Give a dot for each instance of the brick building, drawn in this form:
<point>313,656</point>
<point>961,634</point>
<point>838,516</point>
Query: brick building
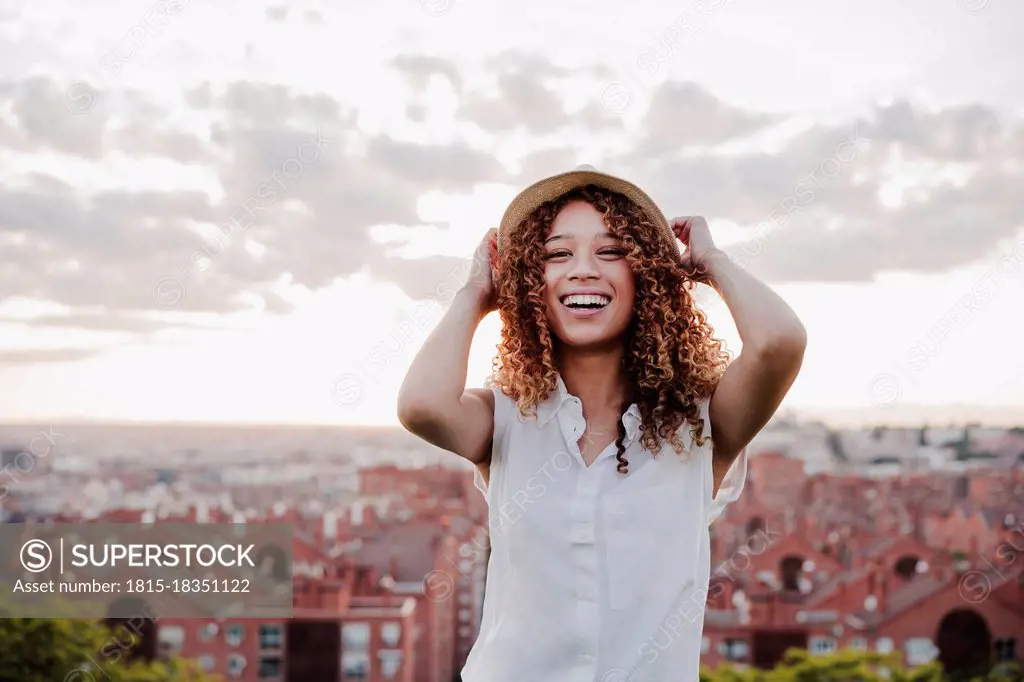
<point>390,586</point>
<point>828,562</point>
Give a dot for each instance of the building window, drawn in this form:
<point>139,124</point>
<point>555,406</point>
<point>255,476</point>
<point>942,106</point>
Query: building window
<point>355,637</point>
<point>236,665</point>
<point>206,663</point>
<point>391,633</point>
<point>1006,649</point>
<point>465,598</point>
<point>791,568</point>
<point>270,667</point>
<point>906,567</point>
<point>207,632</point>
<point>963,486</point>
<point>884,646</point>
<point>390,663</point>
<point>234,634</point>
<point>270,636</point>
<point>705,645</point>
<point>920,650</point>
<point>821,645</point>
<point>355,646</point>
<point>465,565</point>
<point>355,665</point>
<point>464,615</point>
<point>734,649</point>
<point>465,631</point>
<point>170,639</point>
<point>859,644</point>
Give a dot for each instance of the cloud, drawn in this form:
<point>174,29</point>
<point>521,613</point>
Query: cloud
<point>523,93</point>
<point>251,104</point>
<point>525,96</point>
<point>434,278</point>
<point>302,186</point>
<point>744,186</point>
<point>540,164</point>
<point>900,190</point>
<point>683,114</point>
<point>106,321</point>
<point>417,70</point>
<point>278,14</point>
<point>522,101</point>
<point>150,139</point>
<point>961,133</point>
<point>42,120</point>
<point>448,167</point>
<point>38,357</point>
<point>98,251</point>
<point>951,227</point>
<point>303,182</point>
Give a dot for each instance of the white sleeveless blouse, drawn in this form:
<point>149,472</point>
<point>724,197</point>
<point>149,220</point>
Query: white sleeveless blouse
<point>594,576</point>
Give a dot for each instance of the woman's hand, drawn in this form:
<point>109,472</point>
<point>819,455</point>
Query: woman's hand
<point>481,273</point>
<point>700,250</point>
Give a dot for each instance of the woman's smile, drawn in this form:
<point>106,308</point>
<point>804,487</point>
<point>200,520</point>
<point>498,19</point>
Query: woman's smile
<point>584,305</point>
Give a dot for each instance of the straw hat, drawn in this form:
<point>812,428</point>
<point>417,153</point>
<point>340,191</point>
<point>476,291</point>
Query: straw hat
<point>543,191</point>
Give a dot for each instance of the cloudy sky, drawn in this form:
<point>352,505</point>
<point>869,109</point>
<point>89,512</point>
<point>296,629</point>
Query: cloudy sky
<point>230,211</point>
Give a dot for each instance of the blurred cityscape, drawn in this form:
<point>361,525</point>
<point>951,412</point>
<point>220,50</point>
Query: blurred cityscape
<point>883,539</point>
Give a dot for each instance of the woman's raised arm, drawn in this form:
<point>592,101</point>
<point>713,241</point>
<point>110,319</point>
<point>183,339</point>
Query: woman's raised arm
<point>433,402</point>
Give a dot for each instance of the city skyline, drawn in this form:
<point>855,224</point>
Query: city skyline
<point>243,214</point>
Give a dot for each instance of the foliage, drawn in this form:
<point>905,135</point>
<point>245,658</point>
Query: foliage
<point>852,666</point>
<point>1003,672</point>
<point>56,650</point>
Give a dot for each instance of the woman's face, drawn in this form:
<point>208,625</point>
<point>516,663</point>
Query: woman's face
<point>590,287</point>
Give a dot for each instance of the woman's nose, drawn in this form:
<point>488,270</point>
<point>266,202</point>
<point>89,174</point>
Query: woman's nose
<point>583,267</point>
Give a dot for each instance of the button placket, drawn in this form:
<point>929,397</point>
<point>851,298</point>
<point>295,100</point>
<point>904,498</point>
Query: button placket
<point>627,561</point>
<point>572,425</point>
<point>583,546</point>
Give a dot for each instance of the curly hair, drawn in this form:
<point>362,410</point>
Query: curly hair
<point>672,359</point>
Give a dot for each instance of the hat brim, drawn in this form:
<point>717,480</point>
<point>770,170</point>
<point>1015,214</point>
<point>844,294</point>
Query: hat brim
<point>551,188</point>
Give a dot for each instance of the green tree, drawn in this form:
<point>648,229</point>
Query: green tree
<point>797,665</point>
<point>65,650</point>
<point>1009,671</point>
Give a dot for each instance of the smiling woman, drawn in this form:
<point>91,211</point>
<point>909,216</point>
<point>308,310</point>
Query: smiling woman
<point>594,246</point>
<point>604,358</point>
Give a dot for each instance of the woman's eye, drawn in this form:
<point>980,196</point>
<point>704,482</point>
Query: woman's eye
<point>556,254</point>
<point>613,252</point>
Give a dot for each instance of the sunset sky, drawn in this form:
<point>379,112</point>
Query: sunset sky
<point>228,211</point>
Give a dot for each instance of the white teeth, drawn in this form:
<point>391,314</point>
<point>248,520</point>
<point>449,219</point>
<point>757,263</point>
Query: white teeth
<point>586,300</point>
